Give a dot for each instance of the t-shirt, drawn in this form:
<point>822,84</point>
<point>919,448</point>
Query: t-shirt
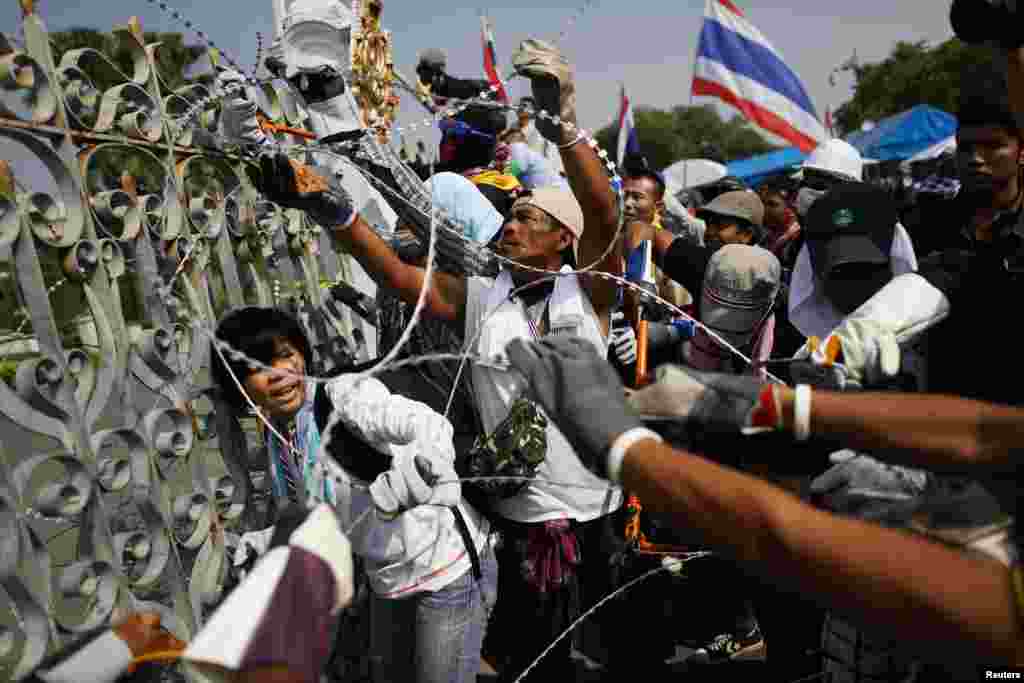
<point>983,282</point>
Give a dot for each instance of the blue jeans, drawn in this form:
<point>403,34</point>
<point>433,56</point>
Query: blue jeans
<point>434,637</point>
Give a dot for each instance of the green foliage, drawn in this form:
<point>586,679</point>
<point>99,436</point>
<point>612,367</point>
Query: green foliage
<point>8,369</point>
<point>912,74</point>
<point>666,136</point>
<point>174,58</point>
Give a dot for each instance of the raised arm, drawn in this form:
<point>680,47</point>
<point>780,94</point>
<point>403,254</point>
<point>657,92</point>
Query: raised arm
<point>555,92</point>
<point>326,202</point>
<point>995,21</point>
<point>446,298</point>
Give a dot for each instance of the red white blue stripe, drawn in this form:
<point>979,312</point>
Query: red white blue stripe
<point>491,59</point>
<point>737,64</point>
<point>628,141</point>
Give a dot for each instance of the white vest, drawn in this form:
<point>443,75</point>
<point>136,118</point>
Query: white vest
<point>498,320</point>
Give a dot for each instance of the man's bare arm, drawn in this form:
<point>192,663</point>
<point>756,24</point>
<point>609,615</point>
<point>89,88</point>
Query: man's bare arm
<point>916,590</point>
<point>446,298</point>
<point>593,191</point>
<point>939,433</point>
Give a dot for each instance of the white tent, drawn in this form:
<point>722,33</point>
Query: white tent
<point>691,173</point>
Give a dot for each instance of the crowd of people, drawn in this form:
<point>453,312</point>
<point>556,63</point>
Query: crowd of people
<point>829,406</point>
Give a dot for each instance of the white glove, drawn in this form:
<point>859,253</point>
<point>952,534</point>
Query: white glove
<point>238,113</point>
<point>870,337</point>
<point>415,480</point>
<point>623,339</point>
<point>418,438</point>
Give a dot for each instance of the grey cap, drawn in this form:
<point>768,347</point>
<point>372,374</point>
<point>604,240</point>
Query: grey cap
<point>740,286</point>
<point>742,204</point>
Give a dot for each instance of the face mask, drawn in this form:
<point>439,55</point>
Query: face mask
<point>333,116</point>
<point>805,198</point>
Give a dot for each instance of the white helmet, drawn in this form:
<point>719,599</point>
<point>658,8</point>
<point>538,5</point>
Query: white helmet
<point>837,157</point>
<point>316,33</point>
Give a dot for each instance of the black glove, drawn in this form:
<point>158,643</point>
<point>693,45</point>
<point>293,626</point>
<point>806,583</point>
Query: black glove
<point>981,21</point>
<point>431,67</point>
<point>321,195</point>
<point>580,392</point>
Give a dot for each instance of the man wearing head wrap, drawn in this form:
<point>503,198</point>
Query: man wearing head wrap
<point>853,245</point>
<point>551,229</point>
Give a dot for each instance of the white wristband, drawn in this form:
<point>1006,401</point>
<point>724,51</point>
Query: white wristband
<point>802,413</point>
<point>621,446</point>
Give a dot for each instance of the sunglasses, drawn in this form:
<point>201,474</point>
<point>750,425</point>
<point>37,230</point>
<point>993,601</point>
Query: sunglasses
<point>460,130</point>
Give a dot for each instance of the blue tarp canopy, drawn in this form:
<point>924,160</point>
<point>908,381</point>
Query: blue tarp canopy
<point>904,135</point>
<point>755,169</point>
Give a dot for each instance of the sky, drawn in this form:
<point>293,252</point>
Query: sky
<point>647,44</point>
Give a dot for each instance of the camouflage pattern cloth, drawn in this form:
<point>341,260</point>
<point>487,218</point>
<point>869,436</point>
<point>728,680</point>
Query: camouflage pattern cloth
<point>516,448</point>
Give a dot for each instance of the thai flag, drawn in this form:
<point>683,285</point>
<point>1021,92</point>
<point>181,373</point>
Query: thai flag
<point>491,59</point>
<point>628,142</point>
<point>737,65</point>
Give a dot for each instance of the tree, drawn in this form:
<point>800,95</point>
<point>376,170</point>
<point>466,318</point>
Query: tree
<point>666,136</point>
<point>912,74</point>
<point>174,58</point>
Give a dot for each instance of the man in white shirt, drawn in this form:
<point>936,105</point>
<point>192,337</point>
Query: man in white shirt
<point>552,229</point>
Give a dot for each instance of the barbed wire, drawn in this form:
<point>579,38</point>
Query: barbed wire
<point>390,361</point>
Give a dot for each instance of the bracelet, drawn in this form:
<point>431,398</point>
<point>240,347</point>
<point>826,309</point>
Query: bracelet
<point>802,413</point>
<point>621,446</point>
<point>579,138</point>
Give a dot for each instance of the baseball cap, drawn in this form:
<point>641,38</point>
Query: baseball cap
<point>740,286</point>
<point>851,223</point>
<point>742,204</point>
<point>561,205</point>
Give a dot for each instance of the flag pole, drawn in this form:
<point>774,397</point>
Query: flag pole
<point>693,77</point>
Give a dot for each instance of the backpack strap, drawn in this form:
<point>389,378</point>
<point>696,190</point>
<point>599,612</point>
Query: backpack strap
<point>467,540</point>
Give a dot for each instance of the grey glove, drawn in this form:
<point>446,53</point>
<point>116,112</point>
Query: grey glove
<point>982,21</point>
<point>553,87</point>
<point>319,193</point>
<point>858,483</point>
<point>717,401</point>
<point>580,392</point>
<point>238,111</point>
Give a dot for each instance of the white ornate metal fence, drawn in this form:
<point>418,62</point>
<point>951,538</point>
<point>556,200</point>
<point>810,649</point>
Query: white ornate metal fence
<point>120,482</point>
